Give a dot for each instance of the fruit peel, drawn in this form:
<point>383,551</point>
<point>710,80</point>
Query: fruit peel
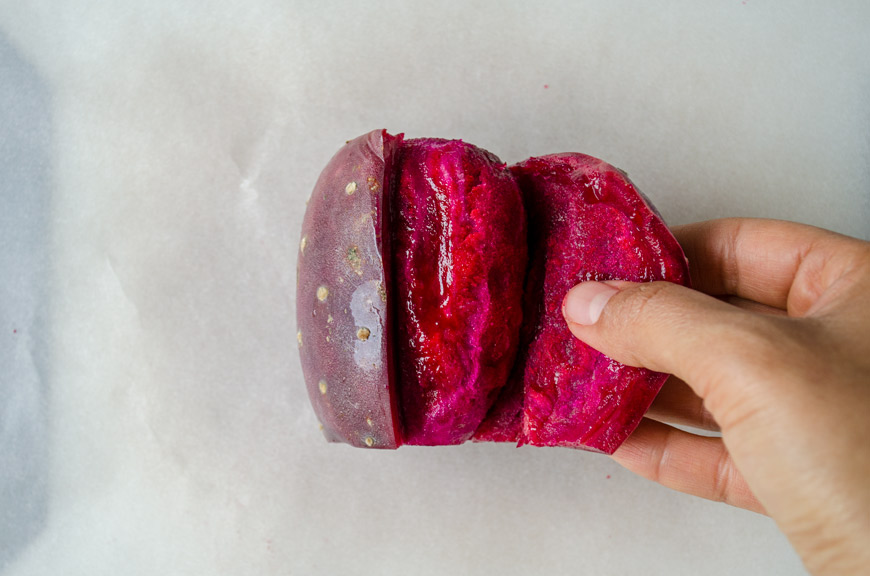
<point>343,318</point>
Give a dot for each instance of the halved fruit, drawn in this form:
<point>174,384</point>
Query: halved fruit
<point>344,322</point>
<point>587,221</point>
<point>459,258</point>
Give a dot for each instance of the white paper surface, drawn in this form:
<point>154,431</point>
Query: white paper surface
<point>155,162</point>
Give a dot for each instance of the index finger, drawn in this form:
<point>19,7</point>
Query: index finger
<point>756,259</point>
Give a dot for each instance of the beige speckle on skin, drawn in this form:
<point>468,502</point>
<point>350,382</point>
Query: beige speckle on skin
<point>303,244</point>
<point>322,293</point>
<point>369,441</point>
<point>369,421</point>
<point>350,188</point>
<point>373,183</point>
<point>329,319</point>
<point>327,338</point>
<point>322,386</point>
<point>299,338</point>
<point>340,280</point>
<point>382,292</point>
<point>363,333</point>
<point>353,258</point>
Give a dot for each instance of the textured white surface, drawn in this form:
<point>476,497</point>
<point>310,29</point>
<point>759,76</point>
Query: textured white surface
<point>154,418</point>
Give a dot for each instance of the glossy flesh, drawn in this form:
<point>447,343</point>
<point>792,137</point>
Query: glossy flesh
<point>586,222</point>
<point>459,256</point>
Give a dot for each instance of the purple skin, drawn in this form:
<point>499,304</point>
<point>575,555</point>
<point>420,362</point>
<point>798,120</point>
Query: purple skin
<point>345,336</point>
<point>459,256</point>
<point>586,222</point>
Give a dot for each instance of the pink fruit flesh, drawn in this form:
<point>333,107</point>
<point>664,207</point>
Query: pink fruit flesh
<point>459,256</point>
<point>586,222</point>
<point>341,296</point>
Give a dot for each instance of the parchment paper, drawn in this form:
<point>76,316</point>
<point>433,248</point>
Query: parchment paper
<point>154,162</point>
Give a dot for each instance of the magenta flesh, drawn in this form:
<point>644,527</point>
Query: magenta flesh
<point>586,222</point>
<point>344,325</point>
<point>459,256</point>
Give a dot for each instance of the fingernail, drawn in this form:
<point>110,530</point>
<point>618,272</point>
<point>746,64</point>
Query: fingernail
<point>585,301</point>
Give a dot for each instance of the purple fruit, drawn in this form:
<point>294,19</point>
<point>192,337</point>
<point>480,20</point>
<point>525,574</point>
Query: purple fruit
<point>411,295</point>
<point>345,335</point>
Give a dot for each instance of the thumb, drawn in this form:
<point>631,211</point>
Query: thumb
<point>665,327</point>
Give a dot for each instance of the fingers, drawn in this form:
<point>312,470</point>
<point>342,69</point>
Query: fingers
<point>758,260</point>
<point>753,306</point>
<point>692,464</point>
<point>676,403</point>
<point>667,328</point>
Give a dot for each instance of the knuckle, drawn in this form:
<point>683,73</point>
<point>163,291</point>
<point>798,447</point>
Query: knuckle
<point>724,478</point>
<point>645,301</point>
<point>634,323</point>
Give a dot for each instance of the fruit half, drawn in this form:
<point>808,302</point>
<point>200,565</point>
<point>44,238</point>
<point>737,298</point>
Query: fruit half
<point>430,284</point>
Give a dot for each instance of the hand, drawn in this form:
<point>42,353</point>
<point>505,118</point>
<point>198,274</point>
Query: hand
<point>779,360</point>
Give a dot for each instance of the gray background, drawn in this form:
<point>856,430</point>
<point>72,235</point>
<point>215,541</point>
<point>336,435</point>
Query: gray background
<point>154,162</point>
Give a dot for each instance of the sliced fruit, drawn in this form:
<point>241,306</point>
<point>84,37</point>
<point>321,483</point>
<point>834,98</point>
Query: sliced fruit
<point>343,319</point>
<point>459,258</point>
<point>587,221</point>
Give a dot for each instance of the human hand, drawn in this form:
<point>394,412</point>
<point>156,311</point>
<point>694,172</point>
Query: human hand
<point>781,366</point>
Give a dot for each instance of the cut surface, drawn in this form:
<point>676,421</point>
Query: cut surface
<point>343,322</point>
<point>459,256</point>
<point>586,222</point>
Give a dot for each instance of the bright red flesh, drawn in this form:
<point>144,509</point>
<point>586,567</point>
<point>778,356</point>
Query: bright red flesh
<point>586,222</point>
<point>459,256</point>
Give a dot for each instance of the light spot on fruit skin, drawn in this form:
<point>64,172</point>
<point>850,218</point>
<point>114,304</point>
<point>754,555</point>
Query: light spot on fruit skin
<point>299,338</point>
<point>322,293</point>
<point>329,319</point>
<point>369,421</point>
<point>363,333</point>
<point>382,292</point>
<point>353,258</point>
<point>369,441</point>
<point>322,386</point>
<point>303,244</point>
<point>373,183</point>
<point>350,188</point>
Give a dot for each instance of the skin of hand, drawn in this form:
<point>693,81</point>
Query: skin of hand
<point>772,347</point>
